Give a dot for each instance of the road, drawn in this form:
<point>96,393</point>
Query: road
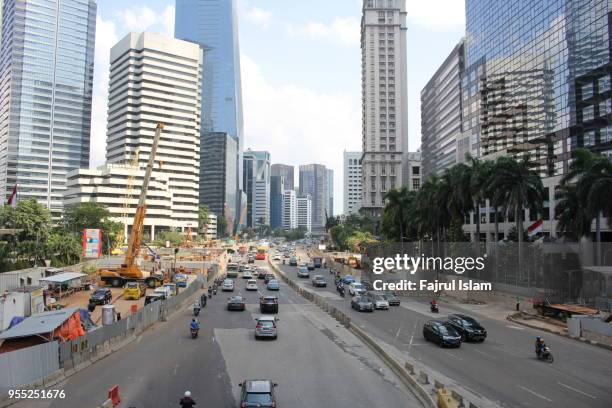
<point>503,369</point>
<point>316,362</point>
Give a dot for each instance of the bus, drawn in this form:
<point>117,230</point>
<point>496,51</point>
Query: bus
<point>261,253</point>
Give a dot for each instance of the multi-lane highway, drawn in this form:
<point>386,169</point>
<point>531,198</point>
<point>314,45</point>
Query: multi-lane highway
<point>503,369</point>
<point>316,362</point>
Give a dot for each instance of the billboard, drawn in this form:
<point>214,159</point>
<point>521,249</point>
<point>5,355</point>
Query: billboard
<point>92,243</point>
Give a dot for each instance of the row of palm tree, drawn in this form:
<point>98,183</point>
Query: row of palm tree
<point>511,185</point>
<point>438,210</point>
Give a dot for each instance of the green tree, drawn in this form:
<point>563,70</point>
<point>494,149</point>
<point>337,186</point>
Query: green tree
<point>574,219</point>
<point>398,211</point>
<point>175,238</point>
<point>480,172</point>
<point>94,215</point>
<point>519,186</point>
<point>203,213</point>
<point>63,248</point>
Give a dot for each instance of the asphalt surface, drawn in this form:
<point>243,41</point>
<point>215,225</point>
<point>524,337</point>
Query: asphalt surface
<point>316,362</point>
<point>502,369</point>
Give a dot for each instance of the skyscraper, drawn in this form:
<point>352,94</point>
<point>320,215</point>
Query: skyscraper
<point>46,78</point>
<point>214,25</point>
<point>153,78</point>
<point>352,182</point>
<point>257,187</point>
<point>330,193</point>
<point>277,187</point>
<point>441,115</point>
<point>537,79</point>
<point>304,212</point>
<point>313,182</point>
<point>287,172</point>
<point>289,211</point>
<point>384,99</point>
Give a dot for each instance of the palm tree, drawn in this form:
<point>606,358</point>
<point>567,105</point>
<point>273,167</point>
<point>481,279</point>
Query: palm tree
<point>480,173</point>
<point>519,186</point>
<point>431,213</point>
<point>573,218</point>
<point>399,212</point>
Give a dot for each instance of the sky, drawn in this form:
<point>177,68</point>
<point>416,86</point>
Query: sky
<point>301,71</point>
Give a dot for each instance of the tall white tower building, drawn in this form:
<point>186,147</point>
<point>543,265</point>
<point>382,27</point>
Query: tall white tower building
<point>384,99</point>
<point>153,78</point>
<point>304,212</point>
<point>289,210</point>
<point>352,182</point>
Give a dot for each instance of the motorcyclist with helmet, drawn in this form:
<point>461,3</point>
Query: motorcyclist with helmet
<point>187,401</point>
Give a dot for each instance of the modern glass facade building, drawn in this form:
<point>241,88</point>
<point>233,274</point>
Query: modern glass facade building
<point>214,25</point>
<point>257,187</point>
<point>46,79</point>
<point>277,187</point>
<point>313,182</point>
<point>537,79</point>
<point>285,171</point>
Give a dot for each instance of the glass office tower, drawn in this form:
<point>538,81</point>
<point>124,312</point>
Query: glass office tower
<point>537,79</point>
<point>46,78</point>
<point>214,25</point>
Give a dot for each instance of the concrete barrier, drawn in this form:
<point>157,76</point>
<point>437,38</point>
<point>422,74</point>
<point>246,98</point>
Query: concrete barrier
<point>457,397</point>
<point>423,378</point>
<point>438,385</point>
<point>409,367</point>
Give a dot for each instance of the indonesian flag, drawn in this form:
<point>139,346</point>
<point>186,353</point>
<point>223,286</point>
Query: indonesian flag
<point>12,201</point>
<point>535,228</point>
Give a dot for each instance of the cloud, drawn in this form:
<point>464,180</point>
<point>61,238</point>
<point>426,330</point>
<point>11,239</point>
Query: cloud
<point>167,20</point>
<point>299,125</point>
<point>258,16</point>
<point>342,30</point>
<point>106,37</point>
<point>440,15</point>
<point>141,18</point>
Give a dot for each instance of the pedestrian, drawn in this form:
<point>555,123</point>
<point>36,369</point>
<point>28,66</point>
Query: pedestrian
<point>518,304</point>
<point>118,316</point>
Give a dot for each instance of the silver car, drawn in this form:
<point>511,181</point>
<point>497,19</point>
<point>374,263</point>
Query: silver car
<point>266,327</point>
<point>227,286</point>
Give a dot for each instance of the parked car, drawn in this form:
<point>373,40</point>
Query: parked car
<point>268,304</point>
<point>319,281</point>
<point>257,393</point>
<point>236,303</point>
<point>392,299</point>
<point>134,290</point>
<point>181,280</point>
<point>251,284</point>
<point>468,328</point>
<point>227,286</point>
<point>268,277</point>
<point>303,272</point>
<point>380,302</point>
<point>293,261</point>
<point>356,288</point>
<point>362,304</point>
<point>442,333</point>
<point>266,327</point>
<point>101,296</point>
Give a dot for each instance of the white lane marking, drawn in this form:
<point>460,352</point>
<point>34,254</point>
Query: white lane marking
<point>485,354</point>
<point>535,393</point>
<point>576,390</point>
<point>213,339</point>
<point>510,326</point>
<point>454,356</point>
<point>176,369</point>
<point>398,333</point>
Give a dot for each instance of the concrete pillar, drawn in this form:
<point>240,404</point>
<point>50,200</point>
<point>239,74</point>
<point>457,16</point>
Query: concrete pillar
<point>125,233</point>
<point>152,232</point>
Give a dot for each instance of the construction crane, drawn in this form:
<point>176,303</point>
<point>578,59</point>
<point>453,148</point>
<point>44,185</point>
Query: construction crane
<point>129,270</point>
<point>129,188</point>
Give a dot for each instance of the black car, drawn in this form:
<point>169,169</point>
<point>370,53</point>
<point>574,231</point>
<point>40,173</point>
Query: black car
<point>236,303</point>
<point>268,304</point>
<point>391,298</point>
<point>101,296</point>
<point>442,333</point>
<point>362,304</point>
<point>262,274</point>
<point>468,328</point>
<point>319,281</point>
<point>257,393</point>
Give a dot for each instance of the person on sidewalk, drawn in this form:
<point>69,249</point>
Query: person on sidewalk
<point>518,304</point>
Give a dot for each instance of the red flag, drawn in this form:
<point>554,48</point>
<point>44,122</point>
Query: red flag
<point>12,201</point>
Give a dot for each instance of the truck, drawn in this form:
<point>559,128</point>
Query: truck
<point>129,269</point>
<point>547,306</point>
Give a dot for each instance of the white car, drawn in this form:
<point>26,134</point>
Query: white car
<point>251,284</point>
<point>380,302</point>
<point>276,258</point>
<point>227,286</point>
<point>247,275</point>
<point>356,288</point>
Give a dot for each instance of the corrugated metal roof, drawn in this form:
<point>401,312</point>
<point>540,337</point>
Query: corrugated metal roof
<point>63,277</point>
<point>40,323</point>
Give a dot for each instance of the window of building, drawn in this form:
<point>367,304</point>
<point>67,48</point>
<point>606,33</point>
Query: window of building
<point>416,170</point>
<point>588,113</point>
<point>604,83</point>
<point>416,184</point>
<point>587,91</point>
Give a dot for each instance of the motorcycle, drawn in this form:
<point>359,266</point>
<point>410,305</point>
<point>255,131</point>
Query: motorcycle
<point>196,311</point>
<point>434,308</point>
<point>545,354</point>
<point>194,333</point>
<point>214,291</point>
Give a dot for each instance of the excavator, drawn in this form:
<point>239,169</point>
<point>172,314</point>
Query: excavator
<point>129,269</point>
